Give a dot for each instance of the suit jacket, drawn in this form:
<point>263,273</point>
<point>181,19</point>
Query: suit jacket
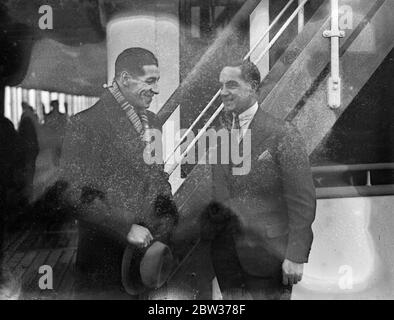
<point>274,204</point>
<point>109,187</point>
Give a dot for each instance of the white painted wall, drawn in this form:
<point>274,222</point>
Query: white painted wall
<point>352,253</point>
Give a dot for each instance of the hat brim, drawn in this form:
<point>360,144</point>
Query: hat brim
<point>136,263</point>
<point>131,278</point>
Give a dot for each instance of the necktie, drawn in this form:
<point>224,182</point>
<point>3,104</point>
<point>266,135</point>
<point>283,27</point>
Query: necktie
<point>236,125</point>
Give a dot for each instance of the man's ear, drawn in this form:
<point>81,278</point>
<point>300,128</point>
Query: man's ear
<point>255,85</point>
<point>124,78</point>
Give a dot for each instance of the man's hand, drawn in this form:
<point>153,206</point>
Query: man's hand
<point>139,236</point>
<point>292,272</point>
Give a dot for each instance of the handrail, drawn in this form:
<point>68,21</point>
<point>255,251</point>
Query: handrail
<point>207,63</point>
<point>365,168</point>
<point>287,23</point>
<point>218,92</point>
<point>220,108</point>
<point>352,167</point>
<point>355,191</point>
<point>281,13</point>
<point>193,124</point>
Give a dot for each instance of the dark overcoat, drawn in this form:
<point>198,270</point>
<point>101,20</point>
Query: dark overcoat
<point>109,187</point>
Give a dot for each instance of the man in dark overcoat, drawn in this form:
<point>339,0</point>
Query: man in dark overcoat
<point>117,198</point>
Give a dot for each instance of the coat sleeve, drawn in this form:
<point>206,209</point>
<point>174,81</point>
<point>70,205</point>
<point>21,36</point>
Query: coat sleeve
<point>163,212</point>
<point>85,195</point>
<point>299,194</point>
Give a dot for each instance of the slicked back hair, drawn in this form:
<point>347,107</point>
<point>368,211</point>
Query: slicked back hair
<point>133,60</point>
<point>249,72</point>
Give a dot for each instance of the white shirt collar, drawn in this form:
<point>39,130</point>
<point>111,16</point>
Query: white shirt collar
<point>246,117</point>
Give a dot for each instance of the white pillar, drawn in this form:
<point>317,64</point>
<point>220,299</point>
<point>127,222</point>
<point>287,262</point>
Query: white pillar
<point>54,96</point>
<point>45,98</point>
<point>61,102</point>
<point>18,103</point>
<point>171,137</point>
<point>32,98</point>
<point>301,18</point>
<point>25,95</point>
<point>8,105</point>
<point>39,107</point>
<point>158,32</point>
<point>259,23</point>
<point>14,107</point>
<point>70,105</point>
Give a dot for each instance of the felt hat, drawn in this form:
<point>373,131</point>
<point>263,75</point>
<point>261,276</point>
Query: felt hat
<point>147,268</point>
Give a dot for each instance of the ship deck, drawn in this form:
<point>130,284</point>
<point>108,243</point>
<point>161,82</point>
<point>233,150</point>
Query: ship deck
<point>52,244</point>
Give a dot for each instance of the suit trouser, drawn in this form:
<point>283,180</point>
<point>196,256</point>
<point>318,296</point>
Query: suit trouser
<point>235,283</point>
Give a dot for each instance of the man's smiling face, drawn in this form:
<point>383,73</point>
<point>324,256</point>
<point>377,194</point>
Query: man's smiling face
<point>236,93</point>
<point>140,90</point>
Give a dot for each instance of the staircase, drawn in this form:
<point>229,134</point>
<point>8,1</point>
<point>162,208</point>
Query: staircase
<point>302,72</point>
<point>305,103</point>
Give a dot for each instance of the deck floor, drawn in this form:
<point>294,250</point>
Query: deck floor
<point>54,245</point>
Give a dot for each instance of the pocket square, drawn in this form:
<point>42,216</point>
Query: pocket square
<point>266,155</point>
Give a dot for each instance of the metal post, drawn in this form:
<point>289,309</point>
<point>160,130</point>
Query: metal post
<point>334,82</point>
<point>369,178</point>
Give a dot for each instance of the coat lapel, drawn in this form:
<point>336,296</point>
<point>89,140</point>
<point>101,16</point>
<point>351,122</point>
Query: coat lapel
<point>223,176</point>
<point>258,134</point>
<point>258,128</point>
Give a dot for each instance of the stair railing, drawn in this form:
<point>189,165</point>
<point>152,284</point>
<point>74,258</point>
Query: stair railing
<point>218,92</point>
<point>202,131</point>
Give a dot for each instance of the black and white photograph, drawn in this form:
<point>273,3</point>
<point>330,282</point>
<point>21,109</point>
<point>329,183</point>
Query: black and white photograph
<point>199,150</point>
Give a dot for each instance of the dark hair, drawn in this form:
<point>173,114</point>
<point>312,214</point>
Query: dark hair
<point>25,105</point>
<point>132,60</point>
<point>249,72</point>
<point>54,102</point>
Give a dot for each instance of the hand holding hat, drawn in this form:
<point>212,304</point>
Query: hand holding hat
<point>139,236</point>
<point>146,264</point>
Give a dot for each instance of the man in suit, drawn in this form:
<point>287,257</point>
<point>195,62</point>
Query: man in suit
<point>117,197</point>
<point>262,218</point>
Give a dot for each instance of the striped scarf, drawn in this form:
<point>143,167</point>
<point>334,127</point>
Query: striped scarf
<point>139,120</point>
